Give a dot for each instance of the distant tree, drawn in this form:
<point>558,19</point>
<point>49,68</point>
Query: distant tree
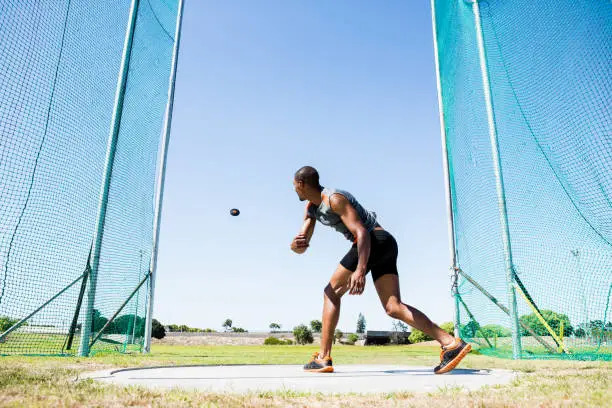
<point>158,330</point>
<point>338,335</point>
<point>400,327</point>
<point>448,327</point>
<point>98,320</point>
<point>553,319</point>
<point>417,336</point>
<point>302,334</point>
<point>608,332</point>
<point>274,327</point>
<point>579,332</point>
<point>352,338</point>
<point>6,323</point>
<point>595,324</point>
<point>125,325</point>
<point>184,328</point>
<point>493,330</point>
<point>272,341</point>
<point>361,324</point>
<point>238,330</point>
<point>316,326</point>
<point>227,324</point>
<point>596,329</point>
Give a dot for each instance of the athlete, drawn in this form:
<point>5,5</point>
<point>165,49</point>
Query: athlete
<point>373,249</point>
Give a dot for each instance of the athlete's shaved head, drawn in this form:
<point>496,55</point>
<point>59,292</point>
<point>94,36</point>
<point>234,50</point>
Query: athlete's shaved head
<point>309,176</point>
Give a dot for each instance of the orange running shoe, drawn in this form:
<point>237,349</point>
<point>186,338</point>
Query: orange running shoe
<point>452,355</point>
<point>319,365</point>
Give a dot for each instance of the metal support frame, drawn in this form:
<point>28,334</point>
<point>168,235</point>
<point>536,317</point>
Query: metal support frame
<point>108,171</point>
<point>101,331</point>
<point>77,309</point>
<point>135,320</point>
<point>25,319</point>
<point>446,167</point>
<point>473,319</point>
<point>499,183</point>
<point>161,178</point>
<point>506,311</point>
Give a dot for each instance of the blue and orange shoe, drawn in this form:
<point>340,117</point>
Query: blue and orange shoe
<point>319,365</point>
<point>452,355</point>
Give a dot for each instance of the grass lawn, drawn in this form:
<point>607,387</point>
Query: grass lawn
<point>51,381</point>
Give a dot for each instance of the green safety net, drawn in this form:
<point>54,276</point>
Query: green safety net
<point>60,65</point>
<point>550,85</point>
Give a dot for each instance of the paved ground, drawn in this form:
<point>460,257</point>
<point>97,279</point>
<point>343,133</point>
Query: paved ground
<point>346,378</point>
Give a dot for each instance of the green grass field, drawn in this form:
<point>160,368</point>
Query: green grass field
<point>52,381</point>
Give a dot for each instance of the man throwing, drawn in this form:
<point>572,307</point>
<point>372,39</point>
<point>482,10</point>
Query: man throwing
<point>375,250</point>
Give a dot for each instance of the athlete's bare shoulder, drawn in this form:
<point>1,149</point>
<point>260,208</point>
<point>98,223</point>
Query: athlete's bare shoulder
<point>338,202</point>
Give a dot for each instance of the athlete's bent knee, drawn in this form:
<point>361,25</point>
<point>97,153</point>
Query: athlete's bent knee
<point>394,309</point>
<point>331,294</point>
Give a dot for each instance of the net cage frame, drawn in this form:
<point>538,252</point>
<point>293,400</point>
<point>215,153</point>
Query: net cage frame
<point>552,343</point>
<point>87,335</point>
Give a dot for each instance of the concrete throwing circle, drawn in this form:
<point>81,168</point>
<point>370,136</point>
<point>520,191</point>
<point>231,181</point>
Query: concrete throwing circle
<point>362,379</point>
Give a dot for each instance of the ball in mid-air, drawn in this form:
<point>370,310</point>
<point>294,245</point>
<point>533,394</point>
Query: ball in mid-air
<point>235,212</point>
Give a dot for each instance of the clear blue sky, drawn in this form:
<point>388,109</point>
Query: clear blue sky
<point>266,87</point>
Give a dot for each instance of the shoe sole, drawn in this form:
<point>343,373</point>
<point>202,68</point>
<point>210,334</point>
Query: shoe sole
<point>451,366</point>
<point>320,370</point>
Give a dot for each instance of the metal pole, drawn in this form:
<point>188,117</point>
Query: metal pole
<point>499,181</point>
<point>457,296</point>
<point>108,171</point>
<point>77,309</point>
<point>446,167</point>
<point>161,178</point>
<point>135,320</point>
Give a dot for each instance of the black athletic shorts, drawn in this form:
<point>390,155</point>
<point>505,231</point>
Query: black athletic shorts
<point>383,255</point>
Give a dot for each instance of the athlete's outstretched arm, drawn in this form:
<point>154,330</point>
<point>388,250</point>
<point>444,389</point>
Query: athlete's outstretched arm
<point>302,240</point>
<point>341,206</point>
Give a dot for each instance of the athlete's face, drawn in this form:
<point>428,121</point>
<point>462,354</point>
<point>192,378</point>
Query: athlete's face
<point>299,189</point>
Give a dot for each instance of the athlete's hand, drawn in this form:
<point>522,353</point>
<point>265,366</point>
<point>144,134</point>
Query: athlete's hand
<point>357,283</point>
<point>299,244</point>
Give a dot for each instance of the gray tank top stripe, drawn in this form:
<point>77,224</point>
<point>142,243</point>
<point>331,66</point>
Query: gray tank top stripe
<point>326,216</point>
